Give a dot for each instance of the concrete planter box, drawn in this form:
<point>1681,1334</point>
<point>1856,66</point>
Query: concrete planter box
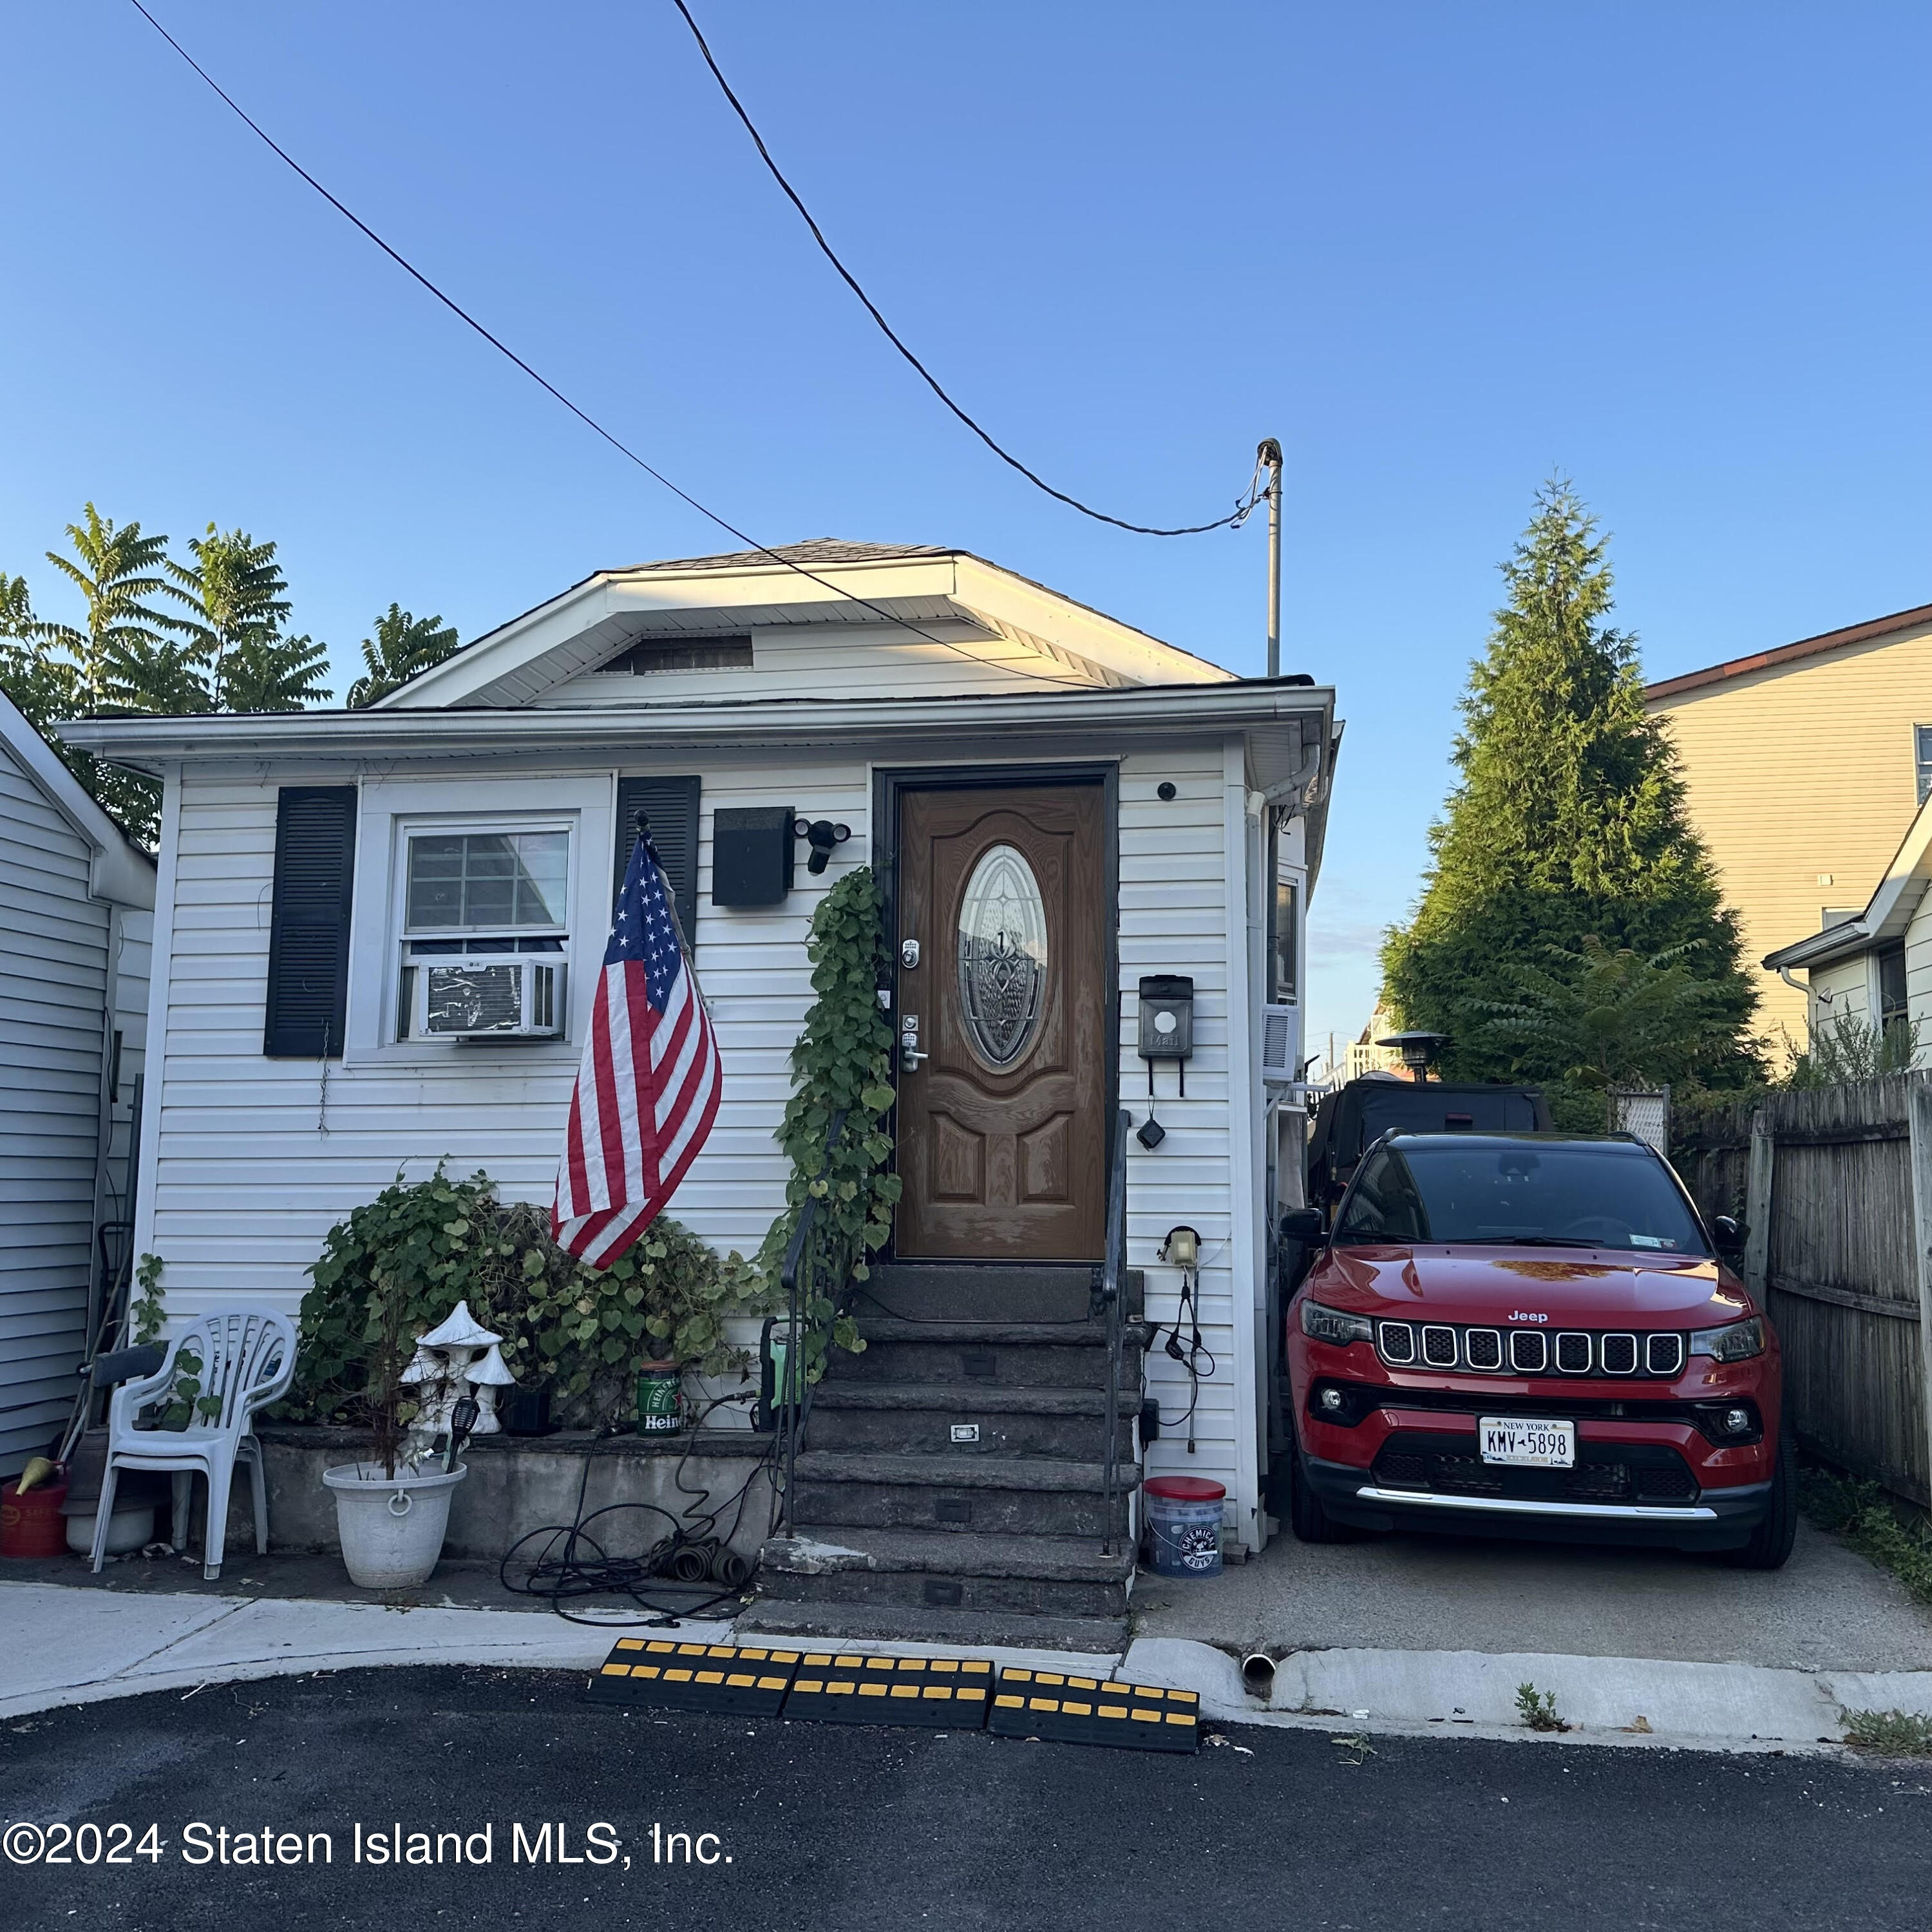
<point>517,1484</point>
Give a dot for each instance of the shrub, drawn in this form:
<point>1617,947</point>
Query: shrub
<point>577,1331</point>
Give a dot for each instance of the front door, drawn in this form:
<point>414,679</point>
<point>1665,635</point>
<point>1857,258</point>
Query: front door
<point>1002,1120</point>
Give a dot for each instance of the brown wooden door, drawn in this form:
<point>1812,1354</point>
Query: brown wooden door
<point>1002,1125</point>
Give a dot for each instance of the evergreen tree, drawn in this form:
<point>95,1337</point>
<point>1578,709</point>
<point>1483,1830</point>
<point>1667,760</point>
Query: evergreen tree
<point>402,646</point>
<point>1566,824</point>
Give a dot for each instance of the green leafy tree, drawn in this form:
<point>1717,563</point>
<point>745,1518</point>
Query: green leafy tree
<point>1603,1017</point>
<point>235,591</point>
<point>1566,822</point>
<point>403,645</point>
<point>130,652</point>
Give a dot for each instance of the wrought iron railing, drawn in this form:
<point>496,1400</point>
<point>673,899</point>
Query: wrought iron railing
<point>793,1398</point>
<point>1113,1295</point>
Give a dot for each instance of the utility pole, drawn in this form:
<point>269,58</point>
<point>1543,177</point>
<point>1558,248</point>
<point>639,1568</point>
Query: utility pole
<point>1269,455</point>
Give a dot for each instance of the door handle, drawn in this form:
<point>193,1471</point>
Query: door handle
<point>909,1058</point>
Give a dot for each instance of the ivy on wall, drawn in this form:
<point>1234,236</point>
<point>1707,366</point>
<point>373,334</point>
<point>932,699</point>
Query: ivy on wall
<point>841,1064</point>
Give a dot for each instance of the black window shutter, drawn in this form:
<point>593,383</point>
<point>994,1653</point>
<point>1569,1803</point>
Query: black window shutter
<point>308,930</point>
<point>671,806</point>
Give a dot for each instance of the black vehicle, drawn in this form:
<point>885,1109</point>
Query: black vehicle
<point>1350,1121</point>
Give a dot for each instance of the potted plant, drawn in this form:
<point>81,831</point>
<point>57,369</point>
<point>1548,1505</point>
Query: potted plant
<point>392,1510</point>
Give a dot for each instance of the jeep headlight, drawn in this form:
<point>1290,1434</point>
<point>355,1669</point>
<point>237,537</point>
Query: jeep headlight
<point>1335,1324</point>
<point>1735,1342</point>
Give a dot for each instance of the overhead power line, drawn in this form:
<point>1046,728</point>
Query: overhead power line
<point>543,382</point>
<point>1233,518</point>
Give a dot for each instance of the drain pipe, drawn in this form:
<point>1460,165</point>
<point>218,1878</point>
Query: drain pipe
<point>1257,1676</point>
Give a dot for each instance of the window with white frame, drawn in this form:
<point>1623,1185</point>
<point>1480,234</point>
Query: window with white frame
<point>1921,748</point>
<point>485,923</point>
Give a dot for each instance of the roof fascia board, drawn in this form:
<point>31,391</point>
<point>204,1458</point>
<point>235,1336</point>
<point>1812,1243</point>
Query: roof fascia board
<point>1875,631</point>
<point>1030,607</point>
<point>120,872</point>
<point>144,743</point>
<point>567,616</point>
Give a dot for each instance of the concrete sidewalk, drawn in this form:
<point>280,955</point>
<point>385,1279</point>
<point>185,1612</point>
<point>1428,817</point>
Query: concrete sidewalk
<point>1827,1609</point>
<point>73,1645</point>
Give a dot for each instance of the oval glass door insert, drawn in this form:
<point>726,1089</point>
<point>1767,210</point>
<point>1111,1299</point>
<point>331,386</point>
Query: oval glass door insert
<point>1002,955</point>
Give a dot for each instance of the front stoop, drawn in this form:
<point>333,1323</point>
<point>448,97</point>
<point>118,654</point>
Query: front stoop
<point>951,1485</point>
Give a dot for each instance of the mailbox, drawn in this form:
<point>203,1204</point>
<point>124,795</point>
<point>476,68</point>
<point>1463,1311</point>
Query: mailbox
<point>1167,1016</point>
<point>751,855</point>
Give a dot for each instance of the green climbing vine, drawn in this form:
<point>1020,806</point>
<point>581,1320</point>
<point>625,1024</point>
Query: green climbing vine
<point>841,1064</point>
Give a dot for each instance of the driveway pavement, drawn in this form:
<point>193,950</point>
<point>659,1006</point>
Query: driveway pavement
<point>1827,1609</point>
<point>845,1829</point>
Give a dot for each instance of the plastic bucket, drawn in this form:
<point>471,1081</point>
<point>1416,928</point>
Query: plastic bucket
<point>31,1525</point>
<point>1184,1524</point>
<point>660,1399</point>
<point>391,1527</point>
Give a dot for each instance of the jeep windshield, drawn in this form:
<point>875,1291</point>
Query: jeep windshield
<point>1496,1192</point>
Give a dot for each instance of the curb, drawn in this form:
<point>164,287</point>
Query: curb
<point>1604,1700</point>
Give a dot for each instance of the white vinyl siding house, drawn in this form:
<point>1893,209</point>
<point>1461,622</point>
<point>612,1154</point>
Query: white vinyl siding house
<point>248,1160</point>
<point>73,966</point>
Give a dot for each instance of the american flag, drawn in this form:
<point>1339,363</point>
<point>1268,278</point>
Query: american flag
<point>647,1091</point>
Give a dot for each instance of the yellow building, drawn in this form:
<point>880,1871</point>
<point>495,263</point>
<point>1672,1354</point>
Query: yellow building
<point>1804,766</point>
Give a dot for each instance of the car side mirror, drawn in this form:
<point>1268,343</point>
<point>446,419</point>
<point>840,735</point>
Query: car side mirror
<point>1304,1224</point>
<point>1728,1234</point>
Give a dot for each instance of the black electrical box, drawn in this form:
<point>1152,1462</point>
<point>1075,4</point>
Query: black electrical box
<point>1167,1016</point>
<point>751,855</point>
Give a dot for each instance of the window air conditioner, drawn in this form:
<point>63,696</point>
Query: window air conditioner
<point>492,997</point>
<point>1281,1041</point>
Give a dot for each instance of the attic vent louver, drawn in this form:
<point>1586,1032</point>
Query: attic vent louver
<point>659,654</point>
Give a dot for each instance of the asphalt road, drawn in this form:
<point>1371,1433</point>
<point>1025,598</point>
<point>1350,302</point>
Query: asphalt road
<point>837,1829</point>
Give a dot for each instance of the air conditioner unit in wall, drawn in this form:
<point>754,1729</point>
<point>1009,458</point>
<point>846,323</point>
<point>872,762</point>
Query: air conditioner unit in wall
<point>490,997</point>
<point>1281,1045</point>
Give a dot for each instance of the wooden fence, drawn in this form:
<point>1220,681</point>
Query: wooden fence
<point>1834,1186</point>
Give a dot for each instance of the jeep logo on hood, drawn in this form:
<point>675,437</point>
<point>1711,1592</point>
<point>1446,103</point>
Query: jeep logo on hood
<point>1517,1314</point>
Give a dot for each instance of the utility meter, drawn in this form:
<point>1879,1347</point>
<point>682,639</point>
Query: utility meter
<point>1167,1016</point>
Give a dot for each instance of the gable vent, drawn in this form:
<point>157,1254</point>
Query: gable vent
<point>681,654</point>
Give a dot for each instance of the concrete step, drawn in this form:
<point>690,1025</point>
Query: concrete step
<point>912,1419</point>
<point>1096,1637</point>
<point>1023,1354</point>
<point>978,1291</point>
<point>1008,1496</point>
<point>1038,1576</point>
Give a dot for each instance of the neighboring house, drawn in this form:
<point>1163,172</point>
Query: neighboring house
<point>1803,766</point>
<point>1365,1056</point>
<point>1874,966</point>
<point>1166,818</point>
<point>78,899</point>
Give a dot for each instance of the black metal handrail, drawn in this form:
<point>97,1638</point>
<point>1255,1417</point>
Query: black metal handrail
<point>794,1396</point>
<point>1113,1295</point>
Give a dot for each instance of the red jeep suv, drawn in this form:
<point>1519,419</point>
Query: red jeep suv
<point>1533,1334</point>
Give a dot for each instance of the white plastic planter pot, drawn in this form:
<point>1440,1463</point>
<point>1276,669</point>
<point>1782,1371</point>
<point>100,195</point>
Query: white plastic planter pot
<point>391,1527</point>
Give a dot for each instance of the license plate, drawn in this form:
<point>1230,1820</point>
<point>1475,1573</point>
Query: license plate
<point>1527,1444</point>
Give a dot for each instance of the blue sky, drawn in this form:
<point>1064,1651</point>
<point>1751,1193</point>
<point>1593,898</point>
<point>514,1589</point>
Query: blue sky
<point>1678,252</point>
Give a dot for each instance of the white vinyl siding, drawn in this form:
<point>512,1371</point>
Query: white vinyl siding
<point>54,946</point>
<point>836,660</point>
<point>257,1159</point>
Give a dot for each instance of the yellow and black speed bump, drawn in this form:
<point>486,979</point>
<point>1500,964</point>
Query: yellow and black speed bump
<point>1050,1705</point>
<point>724,1677</point>
<point>942,1694</point>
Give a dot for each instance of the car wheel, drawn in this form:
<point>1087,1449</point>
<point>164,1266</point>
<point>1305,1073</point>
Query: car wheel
<point>1771,1542</point>
<point>1310,1522</point>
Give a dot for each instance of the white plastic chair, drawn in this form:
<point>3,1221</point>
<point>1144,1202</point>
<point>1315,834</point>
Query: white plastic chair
<point>248,1359</point>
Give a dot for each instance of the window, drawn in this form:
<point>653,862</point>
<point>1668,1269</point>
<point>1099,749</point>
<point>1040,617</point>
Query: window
<point>1285,948</point>
<point>1921,747</point>
<point>1891,998</point>
<point>472,893</point>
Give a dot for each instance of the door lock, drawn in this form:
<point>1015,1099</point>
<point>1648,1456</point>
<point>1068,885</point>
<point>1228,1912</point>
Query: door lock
<point>908,952</point>
<point>909,1055</point>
